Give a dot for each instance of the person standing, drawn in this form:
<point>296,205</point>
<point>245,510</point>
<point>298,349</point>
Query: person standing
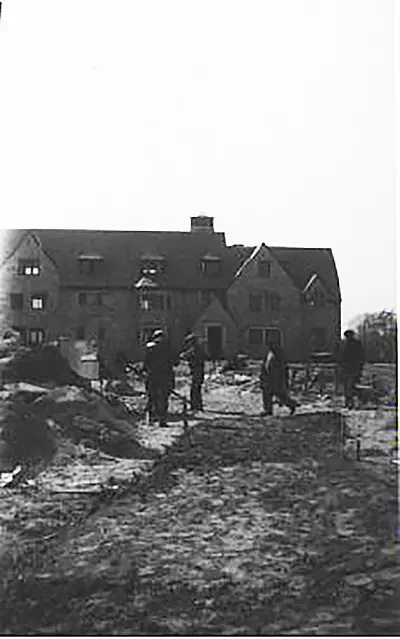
<point>158,365</point>
<point>352,360</point>
<point>196,356</point>
<point>273,379</point>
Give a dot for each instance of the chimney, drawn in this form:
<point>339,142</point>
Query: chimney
<point>202,224</point>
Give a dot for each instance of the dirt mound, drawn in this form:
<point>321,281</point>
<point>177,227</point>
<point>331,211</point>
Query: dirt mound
<point>24,436</point>
<point>31,432</point>
<point>83,416</point>
<point>44,364</point>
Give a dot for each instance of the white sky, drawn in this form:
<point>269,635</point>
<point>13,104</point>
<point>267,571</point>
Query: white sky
<point>275,116</point>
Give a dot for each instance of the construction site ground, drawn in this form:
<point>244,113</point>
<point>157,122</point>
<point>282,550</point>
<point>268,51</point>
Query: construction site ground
<point>239,524</point>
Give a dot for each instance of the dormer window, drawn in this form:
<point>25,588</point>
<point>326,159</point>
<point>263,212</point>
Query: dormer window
<point>152,265</point>
<point>88,264</point>
<point>210,265</point>
<point>28,267</point>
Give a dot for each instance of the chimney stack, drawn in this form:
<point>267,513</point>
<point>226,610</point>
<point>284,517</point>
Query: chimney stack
<point>202,224</point>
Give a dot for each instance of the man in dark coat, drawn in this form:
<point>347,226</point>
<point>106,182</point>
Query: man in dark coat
<point>194,353</point>
<point>158,365</point>
<point>352,361</point>
<point>273,379</point>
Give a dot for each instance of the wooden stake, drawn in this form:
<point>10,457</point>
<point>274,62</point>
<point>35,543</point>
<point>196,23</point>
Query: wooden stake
<point>342,435</point>
<point>358,446</point>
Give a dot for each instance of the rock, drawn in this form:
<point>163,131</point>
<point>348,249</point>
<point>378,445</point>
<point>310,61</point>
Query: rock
<point>358,580</point>
<point>387,574</point>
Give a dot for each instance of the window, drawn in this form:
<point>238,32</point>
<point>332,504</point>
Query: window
<point>80,332</point>
<point>22,331</point>
<point>16,301</point>
<point>274,302</point>
<point>28,267</point>
<point>255,302</point>
<point>272,335</point>
<point>87,267</point>
<point>255,336</point>
<point>38,302</point>
<point>264,268</point>
<point>144,335</point>
<point>152,301</point>
<point>152,267</point>
<point>90,299</point>
<point>101,333</point>
<point>211,267</point>
<point>36,336</point>
<point>82,299</point>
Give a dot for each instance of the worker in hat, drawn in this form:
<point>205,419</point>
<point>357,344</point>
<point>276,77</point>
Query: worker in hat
<point>194,353</point>
<point>158,365</point>
<point>273,379</point>
<point>352,360</point>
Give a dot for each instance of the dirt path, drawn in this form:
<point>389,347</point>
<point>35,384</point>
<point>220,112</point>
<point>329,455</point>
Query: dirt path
<point>253,527</point>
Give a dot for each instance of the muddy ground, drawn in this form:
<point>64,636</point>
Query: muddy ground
<point>240,525</point>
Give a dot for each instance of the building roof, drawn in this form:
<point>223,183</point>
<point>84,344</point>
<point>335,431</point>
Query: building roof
<point>302,263</point>
<point>299,263</point>
<point>123,251</point>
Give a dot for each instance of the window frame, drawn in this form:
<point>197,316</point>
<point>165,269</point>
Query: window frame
<point>28,263</point>
<point>86,267</point>
<point>207,266</point>
<point>31,331</point>
<point>38,296</point>
<point>274,300</point>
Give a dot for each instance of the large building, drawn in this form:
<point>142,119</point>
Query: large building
<point>117,286</point>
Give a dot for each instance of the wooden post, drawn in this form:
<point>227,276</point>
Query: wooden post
<point>185,419</point>
<point>342,435</point>
<point>358,444</point>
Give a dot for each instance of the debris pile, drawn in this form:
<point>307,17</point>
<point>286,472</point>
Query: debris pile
<point>85,417</point>
<point>38,423</point>
<point>40,365</point>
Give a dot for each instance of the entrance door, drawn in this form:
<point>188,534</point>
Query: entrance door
<point>214,342</point>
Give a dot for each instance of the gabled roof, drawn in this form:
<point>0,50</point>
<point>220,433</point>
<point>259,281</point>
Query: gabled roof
<point>123,253</point>
<point>10,240</point>
<point>299,263</point>
<point>247,261</point>
<point>215,303</point>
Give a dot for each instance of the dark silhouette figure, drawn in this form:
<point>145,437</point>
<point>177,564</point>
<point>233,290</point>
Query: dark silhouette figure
<point>273,379</point>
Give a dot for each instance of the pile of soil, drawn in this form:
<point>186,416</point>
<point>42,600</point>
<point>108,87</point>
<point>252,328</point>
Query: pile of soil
<point>24,437</point>
<point>40,365</point>
<point>33,431</point>
<point>85,417</point>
